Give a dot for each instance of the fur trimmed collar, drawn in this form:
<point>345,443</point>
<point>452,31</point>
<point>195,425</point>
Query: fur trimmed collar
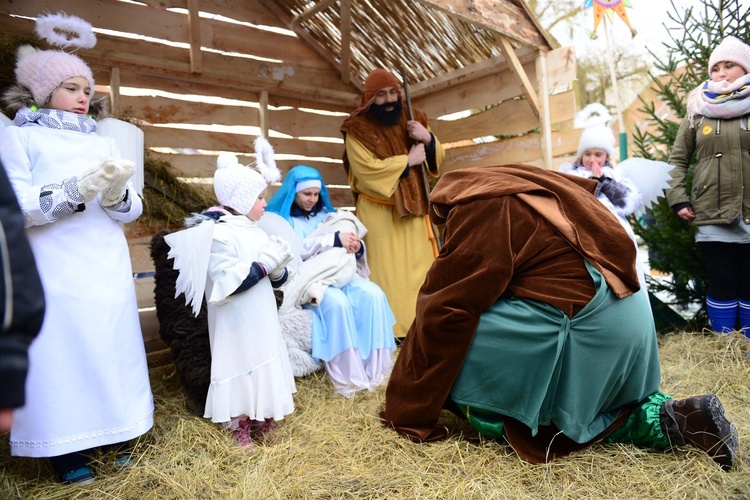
<point>18,97</point>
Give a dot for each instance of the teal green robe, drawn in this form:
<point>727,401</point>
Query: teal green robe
<point>584,370</point>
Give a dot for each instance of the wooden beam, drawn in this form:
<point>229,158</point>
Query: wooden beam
<point>515,150</point>
<point>346,39</point>
<point>495,120</point>
<point>205,166</point>
<point>284,16</point>
<point>311,11</point>
<point>263,113</point>
<point>504,17</point>
<point>545,124</point>
<point>114,91</point>
<point>132,79</point>
<point>166,137</point>
<point>470,73</point>
<point>486,91</point>
<point>194,27</point>
<point>517,68</point>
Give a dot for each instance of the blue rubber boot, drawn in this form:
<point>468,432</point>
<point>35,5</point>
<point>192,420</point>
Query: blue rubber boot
<point>722,314</point>
<point>745,318</point>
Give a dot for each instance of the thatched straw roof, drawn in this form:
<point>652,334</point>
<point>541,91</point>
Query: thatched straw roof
<point>427,38</point>
<point>332,447</point>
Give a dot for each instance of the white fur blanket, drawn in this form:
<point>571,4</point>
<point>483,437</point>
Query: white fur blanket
<point>331,267</point>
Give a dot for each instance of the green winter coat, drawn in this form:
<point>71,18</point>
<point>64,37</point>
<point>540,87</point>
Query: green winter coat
<point>722,153</point>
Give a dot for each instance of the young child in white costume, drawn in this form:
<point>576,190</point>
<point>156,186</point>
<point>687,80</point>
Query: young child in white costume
<point>594,161</point>
<point>88,384</point>
<point>239,265</point>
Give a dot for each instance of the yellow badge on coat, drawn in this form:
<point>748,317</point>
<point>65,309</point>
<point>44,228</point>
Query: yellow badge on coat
<point>707,130</point>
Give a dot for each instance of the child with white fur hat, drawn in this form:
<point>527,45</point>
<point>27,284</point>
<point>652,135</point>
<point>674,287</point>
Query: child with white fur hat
<point>238,265</point>
<point>594,161</point>
<point>88,384</point>
<point>715,133</point>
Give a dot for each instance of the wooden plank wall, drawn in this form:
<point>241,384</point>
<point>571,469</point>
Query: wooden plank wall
<point>307,101</point>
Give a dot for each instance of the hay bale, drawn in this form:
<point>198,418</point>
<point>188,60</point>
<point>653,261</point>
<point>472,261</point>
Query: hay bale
<point>166,199</point>
<point>336,447</point>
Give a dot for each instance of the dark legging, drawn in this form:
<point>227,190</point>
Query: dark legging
<point>72,461</point>
<point>728,266</point>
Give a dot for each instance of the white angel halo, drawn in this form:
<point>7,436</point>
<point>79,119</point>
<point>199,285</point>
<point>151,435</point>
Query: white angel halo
<point>264,160</point>
<point>57,28</point>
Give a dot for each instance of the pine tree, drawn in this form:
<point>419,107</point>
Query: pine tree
<point>693,35</point>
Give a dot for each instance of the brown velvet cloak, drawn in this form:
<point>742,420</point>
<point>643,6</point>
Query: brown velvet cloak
<point>512,229</point>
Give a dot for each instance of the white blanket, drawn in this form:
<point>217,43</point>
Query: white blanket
<point>331,267</point>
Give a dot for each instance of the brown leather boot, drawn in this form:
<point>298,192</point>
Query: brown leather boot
<point>700,421</point>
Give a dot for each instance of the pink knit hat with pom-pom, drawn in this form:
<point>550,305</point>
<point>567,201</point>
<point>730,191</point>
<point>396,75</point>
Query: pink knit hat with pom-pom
<point>42,71</point>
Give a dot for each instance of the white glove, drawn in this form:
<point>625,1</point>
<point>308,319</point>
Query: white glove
<point>116,190</point>
<point>97,178</point>
<point>275,255</point>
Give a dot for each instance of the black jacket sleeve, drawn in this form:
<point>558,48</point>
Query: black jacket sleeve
<point>21,298</point>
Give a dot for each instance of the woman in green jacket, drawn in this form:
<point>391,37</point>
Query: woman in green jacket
<point>715,132</point>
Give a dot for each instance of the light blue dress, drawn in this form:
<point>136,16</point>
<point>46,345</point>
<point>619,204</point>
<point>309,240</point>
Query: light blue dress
<point>352,329</point>
<point>356,316</point>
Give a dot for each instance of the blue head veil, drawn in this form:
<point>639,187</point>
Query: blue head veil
<point>281,202</point>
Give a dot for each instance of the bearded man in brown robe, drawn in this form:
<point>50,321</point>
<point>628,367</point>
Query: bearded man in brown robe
<point>385,151</point>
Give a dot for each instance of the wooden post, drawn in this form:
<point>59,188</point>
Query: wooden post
<point>517,68</point>
<point>114,91</point>
<point>623,136</point>
<point>194,25</point>
<point>545,127</point>
<point>263,113</point>
<point>346,28</point>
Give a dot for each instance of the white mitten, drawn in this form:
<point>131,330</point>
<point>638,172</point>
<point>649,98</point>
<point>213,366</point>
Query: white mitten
<point>96,179</point>
<point>275,255</point>
<point>116,190</point>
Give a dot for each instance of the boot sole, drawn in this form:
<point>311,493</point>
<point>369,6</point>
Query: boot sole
<point>725,454</point>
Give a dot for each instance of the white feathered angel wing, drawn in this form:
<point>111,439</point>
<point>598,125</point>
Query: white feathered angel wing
<point>190,249</point>
<point>649,176</point>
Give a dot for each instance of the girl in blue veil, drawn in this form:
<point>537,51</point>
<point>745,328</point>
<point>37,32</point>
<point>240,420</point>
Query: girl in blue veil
<point>353,325</point>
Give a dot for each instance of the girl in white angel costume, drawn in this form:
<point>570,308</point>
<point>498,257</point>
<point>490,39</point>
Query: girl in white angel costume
<point>88,384</point>
<point>594,161</point>
<point>237,265</point>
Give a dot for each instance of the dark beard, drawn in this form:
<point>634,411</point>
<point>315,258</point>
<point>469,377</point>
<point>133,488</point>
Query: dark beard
<point>379,112</point>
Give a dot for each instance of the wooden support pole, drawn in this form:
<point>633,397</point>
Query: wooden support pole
<point>515,66</point>
<point>346,28</point>
<point>194,25</point>
<point>545,127</point>
<point>263,113</point>
<point>114,91</point>
<point>311,11</point>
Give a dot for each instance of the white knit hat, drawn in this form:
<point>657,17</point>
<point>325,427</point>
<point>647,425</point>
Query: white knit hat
<point>237,186</point>
<point>733,50</point>
<point>594,118</point>
<point>598,136</point>
<point>42,71</point>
